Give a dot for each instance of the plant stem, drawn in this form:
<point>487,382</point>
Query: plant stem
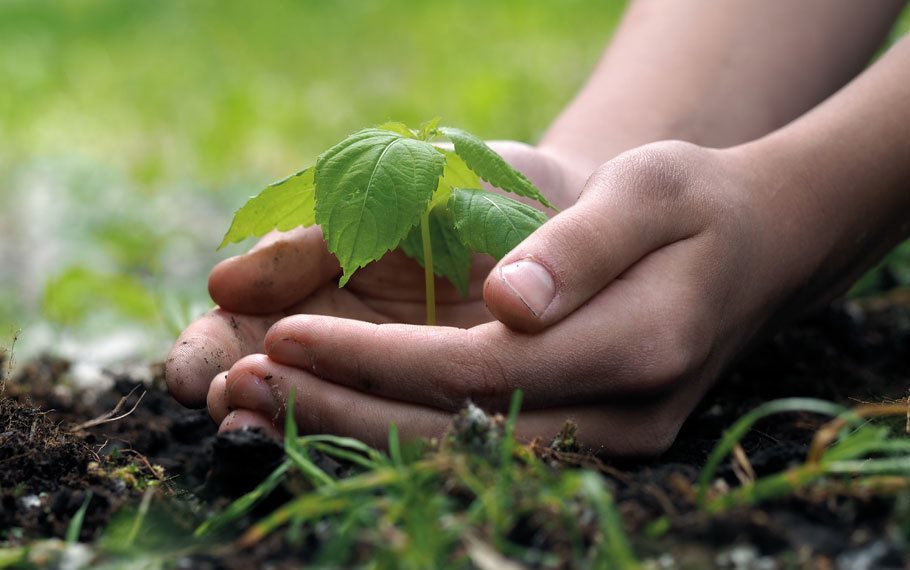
<point>429,276</point>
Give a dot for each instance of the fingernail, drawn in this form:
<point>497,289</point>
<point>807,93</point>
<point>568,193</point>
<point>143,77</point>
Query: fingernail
<point>531,282</point>
<point>286,351</point>
<point>251,392</point>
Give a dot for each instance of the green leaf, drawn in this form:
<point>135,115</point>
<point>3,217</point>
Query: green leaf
<point>491,167</point>
<point>490,223</point>
<point>456,174</point>
<point>283,205</point>
<point>372,188</point>
<point>428,129</point>
<point>451,259</point>
<point>397,127</point>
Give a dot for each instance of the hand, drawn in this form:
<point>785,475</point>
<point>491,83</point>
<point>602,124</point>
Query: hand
<point>620,312</point>
<point>291,273</point>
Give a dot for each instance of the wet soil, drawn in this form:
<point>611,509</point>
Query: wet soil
<point>849,353</point>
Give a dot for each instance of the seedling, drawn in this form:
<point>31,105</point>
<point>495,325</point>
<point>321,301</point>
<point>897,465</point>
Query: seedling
<point>390,187</point>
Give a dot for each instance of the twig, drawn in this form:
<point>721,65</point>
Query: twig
<point>9,362</point>
<point>742,467</point>
<point>111,416</point>
<point>148,464</point>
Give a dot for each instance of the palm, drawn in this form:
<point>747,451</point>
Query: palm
<point>392,289</point>
<point>292,273</point>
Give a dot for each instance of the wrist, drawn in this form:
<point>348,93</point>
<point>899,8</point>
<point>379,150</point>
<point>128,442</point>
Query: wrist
<point>821,226</point>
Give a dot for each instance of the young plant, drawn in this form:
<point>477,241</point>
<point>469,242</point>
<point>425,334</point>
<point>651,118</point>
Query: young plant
<point>390,187</point>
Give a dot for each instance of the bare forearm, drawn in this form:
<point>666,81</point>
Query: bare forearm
<point>839,177</point>
<point>715,73</point>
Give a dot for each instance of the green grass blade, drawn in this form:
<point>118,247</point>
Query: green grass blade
<point>244,504</point>
<point>395,446</point>
<point>767,488</point>
<point>75,526</point>
<point>140,516</point>
<point>618,550</point>
<point>884,466</point>
<point>344,454</point>
<point>346,442</point>
<point>297,452</point>
<point>508,440</point>
<point>304,508</point>
<point>745,423</point>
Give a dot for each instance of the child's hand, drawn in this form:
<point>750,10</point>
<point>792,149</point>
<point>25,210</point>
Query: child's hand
<point>291,273</point>
<point>619,312</point>
<point>622,310</point>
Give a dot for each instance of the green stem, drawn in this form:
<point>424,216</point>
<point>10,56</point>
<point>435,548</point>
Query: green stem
<point>429,277</point>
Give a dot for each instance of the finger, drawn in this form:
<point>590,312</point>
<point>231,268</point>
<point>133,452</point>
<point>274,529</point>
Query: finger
<point>624,213</point>
<point>217,400</point>
<point>279,272</point>
<point>638,428</point>
<point>323,407</point>
<point>244,419</point>
<point>638,336</point>
<point>210,345</point>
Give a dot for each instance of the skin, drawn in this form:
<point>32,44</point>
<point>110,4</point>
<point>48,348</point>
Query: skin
<point>665,263</point>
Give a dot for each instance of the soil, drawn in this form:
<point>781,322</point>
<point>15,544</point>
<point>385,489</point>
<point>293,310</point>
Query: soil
<point>850,352</point>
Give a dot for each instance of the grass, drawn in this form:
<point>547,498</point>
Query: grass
<point>468,501</point>
<point>480,499</point>
<point>399,495</point>
<point>848,447</point>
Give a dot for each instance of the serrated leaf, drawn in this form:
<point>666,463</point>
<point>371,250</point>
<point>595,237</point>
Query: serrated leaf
<point>428,129</point>
<point>372,188</point>
<point>451,259</point>
<point>397,127</point>
<point>490,223</point>
<point>491,167</point>
<point>283,205</point>
<point>456,174</point>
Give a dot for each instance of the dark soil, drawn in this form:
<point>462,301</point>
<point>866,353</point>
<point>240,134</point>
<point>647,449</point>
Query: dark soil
<point>849,353</point>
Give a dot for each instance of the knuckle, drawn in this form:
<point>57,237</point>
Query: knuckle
<point>657,175</point>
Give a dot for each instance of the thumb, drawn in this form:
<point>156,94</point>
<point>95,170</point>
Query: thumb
<point>280,271</point>
<point>626,211</point>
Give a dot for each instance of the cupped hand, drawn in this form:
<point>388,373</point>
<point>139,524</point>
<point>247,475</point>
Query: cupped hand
<point>293,273</point>
<point>620,312</point>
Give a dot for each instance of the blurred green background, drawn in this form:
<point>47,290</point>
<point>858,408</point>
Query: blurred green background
<point>129,131</point>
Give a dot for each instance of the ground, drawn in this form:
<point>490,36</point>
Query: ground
<point>850,353</point>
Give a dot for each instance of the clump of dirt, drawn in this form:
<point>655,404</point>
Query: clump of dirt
<point>36,455</point>
<point>46,473</point>
<point>48,464</point>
